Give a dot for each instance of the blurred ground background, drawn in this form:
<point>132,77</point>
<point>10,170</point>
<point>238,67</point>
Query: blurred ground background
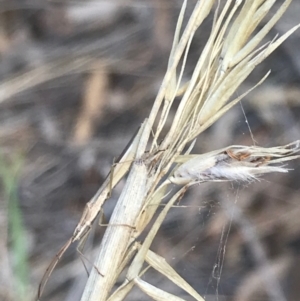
<point>76,80</point>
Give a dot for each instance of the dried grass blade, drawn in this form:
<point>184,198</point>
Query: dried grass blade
<point>138,261</point>
<point>40,75</point>
<point>121,292</point>
<point>200,12</point>
<point>260,57</point>
<point>154,292</point>
<point>220,96</point>
<point>160,264</point>
<point>250,46</point>
<point>223,110</point>
<point>150,208</point>
<point>173,84</point>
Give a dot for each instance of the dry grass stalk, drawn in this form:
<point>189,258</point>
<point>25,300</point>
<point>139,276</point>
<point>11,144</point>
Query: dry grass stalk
<point>42,74</point>
<point>95,96</point>
<point>229,56</point>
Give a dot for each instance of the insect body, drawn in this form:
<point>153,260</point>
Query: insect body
<point>94,206</point>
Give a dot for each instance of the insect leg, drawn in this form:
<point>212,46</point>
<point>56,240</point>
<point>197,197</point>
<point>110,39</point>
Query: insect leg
<point>51,267</point>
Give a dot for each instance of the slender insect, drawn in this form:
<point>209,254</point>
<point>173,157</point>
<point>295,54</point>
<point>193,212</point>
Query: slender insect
<point>116,240</point>
<point>94,206</point>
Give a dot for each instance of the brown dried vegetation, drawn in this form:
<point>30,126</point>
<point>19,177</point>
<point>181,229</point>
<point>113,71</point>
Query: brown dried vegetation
<point>76,81</point>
